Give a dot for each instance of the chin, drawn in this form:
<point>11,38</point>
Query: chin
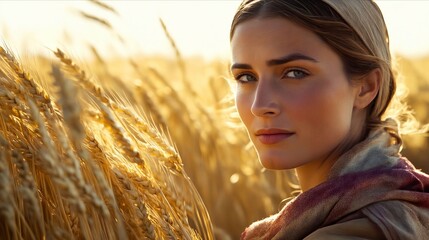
<point>275,163</point>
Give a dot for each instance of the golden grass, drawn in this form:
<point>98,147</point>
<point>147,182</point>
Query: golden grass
<point>71,168</point>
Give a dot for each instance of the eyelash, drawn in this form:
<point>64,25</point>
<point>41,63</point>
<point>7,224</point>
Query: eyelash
<point>301,71</point>
<point>295,70</point>
<point>237,78</point>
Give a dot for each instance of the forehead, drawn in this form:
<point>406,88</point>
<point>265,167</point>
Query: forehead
<point>273,36</point>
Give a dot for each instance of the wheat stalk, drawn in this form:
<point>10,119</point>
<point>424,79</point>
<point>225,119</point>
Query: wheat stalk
<point>135,120</point>
<point>28,82</point>
<point>104,6</point>
<point>7,213</point>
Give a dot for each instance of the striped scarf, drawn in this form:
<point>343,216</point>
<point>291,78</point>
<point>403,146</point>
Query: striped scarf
<point>371,178</point>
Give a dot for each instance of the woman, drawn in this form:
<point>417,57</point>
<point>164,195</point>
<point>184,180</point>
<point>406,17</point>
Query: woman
<point>315,91</point>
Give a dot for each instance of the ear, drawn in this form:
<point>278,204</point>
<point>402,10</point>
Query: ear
<point>368,88</point>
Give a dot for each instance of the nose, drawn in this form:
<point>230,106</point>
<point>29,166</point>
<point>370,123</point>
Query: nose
<point>265,102</point>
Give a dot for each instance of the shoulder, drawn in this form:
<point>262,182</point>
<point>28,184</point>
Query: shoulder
<point>361,228</point>
<point>382,220</point>
<point>399,219</point>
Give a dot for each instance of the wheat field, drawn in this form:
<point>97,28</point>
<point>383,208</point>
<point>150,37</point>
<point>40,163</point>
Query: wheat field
<point>142,147</point>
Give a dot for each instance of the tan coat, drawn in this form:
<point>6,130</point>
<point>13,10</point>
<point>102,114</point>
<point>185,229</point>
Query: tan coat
<point>365,224</point>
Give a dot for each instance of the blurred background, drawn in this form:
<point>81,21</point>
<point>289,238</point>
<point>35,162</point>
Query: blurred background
<point>200,28</point>
<point>176,71</point>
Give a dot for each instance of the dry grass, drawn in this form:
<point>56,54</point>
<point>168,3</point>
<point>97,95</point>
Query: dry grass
<point>72,167</point>
<point>103,152</point>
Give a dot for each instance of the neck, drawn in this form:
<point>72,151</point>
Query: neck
<point>317,171</point>
<point>314,173</point>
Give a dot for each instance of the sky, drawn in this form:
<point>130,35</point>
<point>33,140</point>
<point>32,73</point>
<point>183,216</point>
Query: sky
<point>199,27</point>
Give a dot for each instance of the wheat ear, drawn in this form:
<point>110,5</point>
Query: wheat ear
<point>174,162</point>
<point>7,212</point>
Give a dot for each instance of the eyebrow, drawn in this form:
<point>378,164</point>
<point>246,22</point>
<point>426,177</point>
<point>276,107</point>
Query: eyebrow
<point>290,58</point>
<point>278,61</point>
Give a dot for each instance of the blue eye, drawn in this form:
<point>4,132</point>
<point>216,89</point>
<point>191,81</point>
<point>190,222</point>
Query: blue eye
<point>245,78</point>
<point>296,74</point>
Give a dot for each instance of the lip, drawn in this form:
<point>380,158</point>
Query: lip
<point>272,135</point>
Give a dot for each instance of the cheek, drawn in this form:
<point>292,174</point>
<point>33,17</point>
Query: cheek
<point>324,112</point>
<point>243,103</point>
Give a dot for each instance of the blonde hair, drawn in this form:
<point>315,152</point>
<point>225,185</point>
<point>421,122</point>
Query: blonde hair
<point>357,32</point>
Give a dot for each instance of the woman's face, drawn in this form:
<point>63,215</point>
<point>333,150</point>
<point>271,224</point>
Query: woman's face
<point>292,92</point>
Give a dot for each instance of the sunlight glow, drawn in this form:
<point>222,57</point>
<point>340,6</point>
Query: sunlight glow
<point>198,27</point>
